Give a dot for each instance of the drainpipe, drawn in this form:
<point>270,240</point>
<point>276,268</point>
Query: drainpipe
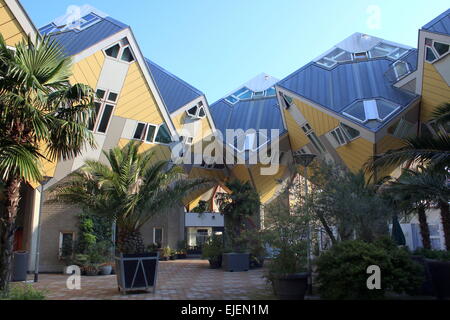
<point>38,237</point>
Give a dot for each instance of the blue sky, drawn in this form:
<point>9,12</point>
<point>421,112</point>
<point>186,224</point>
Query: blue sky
<point>216,45</point>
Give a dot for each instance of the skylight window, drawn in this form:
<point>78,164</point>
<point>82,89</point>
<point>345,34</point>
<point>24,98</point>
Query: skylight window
<point>247,94</point>
<point>271,92</point>
<point>401,69</point>
<point>249,141</point>
<point>367,110</point>
<point>387,50</point>
<point>334,57</point>
<point>48,29</point>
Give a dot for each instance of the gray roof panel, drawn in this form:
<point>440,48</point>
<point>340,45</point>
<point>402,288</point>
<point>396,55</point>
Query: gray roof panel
<point>257,114</point>
<point>336,89</point>
<point>74,42</point>
<point>175,92</point>
<point>440,24</point>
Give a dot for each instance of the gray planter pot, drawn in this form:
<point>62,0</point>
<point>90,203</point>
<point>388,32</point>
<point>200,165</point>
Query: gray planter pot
<point>19,266</point>
<point>105,270</point>
<point>137,272</point>
<point>236,262</point>
<point>291,286</point>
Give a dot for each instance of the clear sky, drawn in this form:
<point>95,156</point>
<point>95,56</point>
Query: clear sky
<point>217,45</point>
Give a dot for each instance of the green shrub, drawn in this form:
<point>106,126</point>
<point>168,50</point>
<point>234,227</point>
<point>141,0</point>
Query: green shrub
<point>213,248</point>
<point>24,292</point>
<point>433,254</point>
<point>343,270</point>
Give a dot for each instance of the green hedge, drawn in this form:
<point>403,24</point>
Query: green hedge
<point>343,270</point>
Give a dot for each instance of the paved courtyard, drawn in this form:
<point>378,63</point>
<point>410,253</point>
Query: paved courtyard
<point>177,280</point>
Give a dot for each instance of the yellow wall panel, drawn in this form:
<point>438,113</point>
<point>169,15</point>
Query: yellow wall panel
<point>356,153</point>
<point>240,172</point>
<point>161,152</point>
<point>435,91</point>
<point>178,121</point>
<point>319,121</point>
<point>297,137</point>
<point>136,100</point>
<point>266,185</point>
<point>87,71</point>
<point>387,143</point>
<point>10,28</point>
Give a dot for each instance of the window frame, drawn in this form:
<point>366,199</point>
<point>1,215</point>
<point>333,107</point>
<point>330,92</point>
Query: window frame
<point>122,48</point>
<point>103,102</point>
<point>197,116</point>
<point>154,235</point>
<point>313,138</point>
<point>394,66</point>
<point>434,51</point>
<point>61,239</point>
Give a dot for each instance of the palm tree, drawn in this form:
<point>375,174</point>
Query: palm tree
<point>411,199</point>
<point>427,185</point>
<point>42,117</point>
<point>423,149</point>
<point>130,189</point>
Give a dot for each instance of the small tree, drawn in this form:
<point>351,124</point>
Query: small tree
<point>343,199</point>
<point>237,207</point>
<point>286,234</point>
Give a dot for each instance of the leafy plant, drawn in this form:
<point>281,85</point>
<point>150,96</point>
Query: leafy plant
<point>346,201</point>
<point>286,234</point>
<point>343,270</point>
<point>202,207</point>
<point>213,248</point>
<point>255,245</point>
<point>24,292</point>
<point>152,247</point>
<point>242,203</point>
<point>440,255</point>
<point>166,252</point>
<point>182,247</point>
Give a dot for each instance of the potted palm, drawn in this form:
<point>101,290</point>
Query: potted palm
<point>130,190</point>
<point>237,207</point>
<point>287,271</point>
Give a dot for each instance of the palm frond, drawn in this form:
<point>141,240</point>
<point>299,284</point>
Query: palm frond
<point>442,114</point>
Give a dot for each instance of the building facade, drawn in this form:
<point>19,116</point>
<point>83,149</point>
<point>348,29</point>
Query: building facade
<point>357,100</point>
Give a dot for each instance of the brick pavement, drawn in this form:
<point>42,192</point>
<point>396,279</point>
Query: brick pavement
<point>177,280</point>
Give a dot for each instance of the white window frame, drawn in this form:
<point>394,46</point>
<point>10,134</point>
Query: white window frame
<point>154,234</point>
<point>285,100</point>
<point>388,52</point>
<point>145,132</point>
<point>338,133</point>
<point>394,66</point>
<point>199,107</point>
<point>433,49</point>
<point>374,112</point>
<point>312,136</point>
<point>103,102</point>
<point>122,47</point>
<point>61,237</point>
